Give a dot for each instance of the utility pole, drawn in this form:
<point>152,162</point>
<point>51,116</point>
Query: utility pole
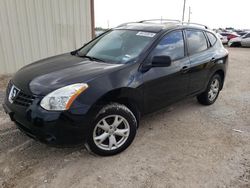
<point>189,14</point>
<point>108,23</point>
<point>183,13</point>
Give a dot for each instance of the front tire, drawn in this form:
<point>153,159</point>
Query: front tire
<point>212,92</point>
<point>112,131</point>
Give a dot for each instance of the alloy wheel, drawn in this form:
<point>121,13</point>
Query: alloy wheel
<point>214,89</point>
<point>111,132</point>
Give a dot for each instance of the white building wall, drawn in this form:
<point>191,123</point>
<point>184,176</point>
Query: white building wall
<point>34,29</point>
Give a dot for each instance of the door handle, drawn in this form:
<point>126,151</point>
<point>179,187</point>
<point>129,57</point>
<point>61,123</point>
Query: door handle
<point>212,60</point>
<point>184,69</point>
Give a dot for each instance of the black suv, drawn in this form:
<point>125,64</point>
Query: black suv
<point>96,95</point>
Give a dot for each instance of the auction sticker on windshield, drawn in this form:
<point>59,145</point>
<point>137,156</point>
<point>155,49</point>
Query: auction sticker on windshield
<point>145,34</point>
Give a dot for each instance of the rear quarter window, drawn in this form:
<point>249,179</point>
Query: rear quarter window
<point>211,38</point>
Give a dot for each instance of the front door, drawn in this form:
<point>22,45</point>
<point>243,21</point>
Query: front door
<point>165,85</point>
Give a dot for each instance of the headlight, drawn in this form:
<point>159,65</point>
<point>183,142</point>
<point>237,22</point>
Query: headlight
<point>61,99</point>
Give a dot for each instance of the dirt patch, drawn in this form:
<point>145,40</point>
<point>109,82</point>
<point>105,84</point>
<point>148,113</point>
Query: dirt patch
<point>4,79</point>
<point>185,145</point>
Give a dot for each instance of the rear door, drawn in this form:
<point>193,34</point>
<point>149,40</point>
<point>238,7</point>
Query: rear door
<point>164,85</point>
<point>201,58</point>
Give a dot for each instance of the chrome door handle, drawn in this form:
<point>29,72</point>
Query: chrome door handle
<point>185,69</point>
<point>212,60</point>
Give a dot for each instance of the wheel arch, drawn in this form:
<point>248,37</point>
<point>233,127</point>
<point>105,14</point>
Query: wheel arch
<point>130,97</point>
<point>222,75</point>
<point>220,72</point>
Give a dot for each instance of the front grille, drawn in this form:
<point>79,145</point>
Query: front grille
<point>22,98</point>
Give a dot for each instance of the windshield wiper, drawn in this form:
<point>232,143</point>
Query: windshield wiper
<point>91,58</point>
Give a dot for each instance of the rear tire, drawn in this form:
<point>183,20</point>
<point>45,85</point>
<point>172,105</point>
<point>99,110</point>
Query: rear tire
<point>212,92</point>
<point>235,44</point>
<point>112,131</point>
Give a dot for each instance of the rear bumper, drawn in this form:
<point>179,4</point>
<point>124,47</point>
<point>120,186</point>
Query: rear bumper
<point>54,128</point>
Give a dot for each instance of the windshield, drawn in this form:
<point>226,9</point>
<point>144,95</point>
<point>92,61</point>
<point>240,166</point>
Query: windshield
<point>117,46</point>
<point>245,36</point>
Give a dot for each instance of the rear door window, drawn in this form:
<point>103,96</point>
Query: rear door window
<point>196,40</point>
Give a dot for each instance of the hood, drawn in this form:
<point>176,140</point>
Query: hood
<point>49,74</point>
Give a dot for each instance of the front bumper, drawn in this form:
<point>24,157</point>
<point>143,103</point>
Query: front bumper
<point>55,128</point>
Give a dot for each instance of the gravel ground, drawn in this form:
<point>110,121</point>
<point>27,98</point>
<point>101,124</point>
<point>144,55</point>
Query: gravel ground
<point>184,145</point>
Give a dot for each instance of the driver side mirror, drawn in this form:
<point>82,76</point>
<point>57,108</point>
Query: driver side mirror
<point>161,61</point>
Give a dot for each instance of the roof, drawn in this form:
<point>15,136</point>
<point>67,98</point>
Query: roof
<point>152,26</point>
<point>142,27</point>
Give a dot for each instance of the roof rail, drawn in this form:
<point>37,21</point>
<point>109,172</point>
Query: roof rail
<point>197,24</point>
<point>160,20</point>
<point>173,21</point>
<point>151,20</point>
<point>124,24</point>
